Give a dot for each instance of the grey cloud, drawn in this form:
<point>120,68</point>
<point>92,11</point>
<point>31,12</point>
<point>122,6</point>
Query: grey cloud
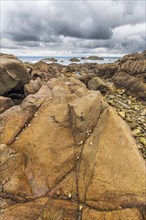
<point>73,25</point>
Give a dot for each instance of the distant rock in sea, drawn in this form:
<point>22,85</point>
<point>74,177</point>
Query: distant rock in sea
<point>74,59</point>
<point>95,58</point>
<point>52,59</point>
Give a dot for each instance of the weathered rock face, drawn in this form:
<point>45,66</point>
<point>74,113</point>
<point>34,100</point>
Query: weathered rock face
<point>33,86</point>
<point>70,149</point>
<point>134,68</point>
<point>134,57</point>
<point>97,84</point>
<point>5,103</point>
<point>13,74</point>
<point>133,85</point>
<point>44,71</point>
<point>39,69</point>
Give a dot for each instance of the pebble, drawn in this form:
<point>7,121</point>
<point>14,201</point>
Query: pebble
<point>80,207</point>
<point>80,143</point>
<point>134,113</point>
<point>142,140</point>
<point>91,143</point>
<point>136,131</point>
<point>128,119</point>
<point>122,114</point>
<point>69,195</point>
<point>124,105</point>
<point>58,193</point>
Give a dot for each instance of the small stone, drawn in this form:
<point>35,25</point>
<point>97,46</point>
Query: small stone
<point>91,143</point>
<point>139,147</point>
<point>128,119</point>
<point>69,195</point>
<point>129,102</point>
<point>35,114</point>
<point>121,91</point>
<point>143,113</point>
<point>122,114</point>
<point>136,132</point>
<point>124,105</point>
<point>142,140</point>
<point>28,125</point>
<point>111,96</point>
<point>78,158</point>
<point>136,108</point>
<point>16,138</point>
<point>80,207</point>
<point>88,133</point>
<point>80,143</point>
<point>58,193</point>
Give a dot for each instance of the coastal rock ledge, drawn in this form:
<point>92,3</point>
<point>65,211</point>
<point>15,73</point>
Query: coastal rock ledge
<point>67,155</point>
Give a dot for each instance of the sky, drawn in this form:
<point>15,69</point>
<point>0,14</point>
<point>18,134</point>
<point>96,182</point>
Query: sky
<point>72,27</point>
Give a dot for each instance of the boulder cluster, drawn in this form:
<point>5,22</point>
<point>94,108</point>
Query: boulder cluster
<point>66,152</point>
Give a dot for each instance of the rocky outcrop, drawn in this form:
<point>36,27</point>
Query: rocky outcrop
<point>72,157</point>
<point>98,84</point>
<point>33,86</point>
<point>134,86</point>
<point>13,74</point>
<point>44,71</point>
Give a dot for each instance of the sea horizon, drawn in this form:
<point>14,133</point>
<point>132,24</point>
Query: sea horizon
<point>65,59</point>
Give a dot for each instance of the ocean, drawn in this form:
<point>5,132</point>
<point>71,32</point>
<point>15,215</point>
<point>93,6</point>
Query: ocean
<point>65,60</point>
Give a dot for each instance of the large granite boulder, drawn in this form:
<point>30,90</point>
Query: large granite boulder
<point>106,71</point>
<point>134,64</point>
<point>69,156</point>
<point>13,74</point>
<point>134,86</point>
<point>44,71</point>
<point>97,83</point>
<point>133,57</point>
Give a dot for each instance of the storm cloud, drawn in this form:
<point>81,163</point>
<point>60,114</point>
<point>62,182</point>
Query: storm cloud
<point>112,26</point>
